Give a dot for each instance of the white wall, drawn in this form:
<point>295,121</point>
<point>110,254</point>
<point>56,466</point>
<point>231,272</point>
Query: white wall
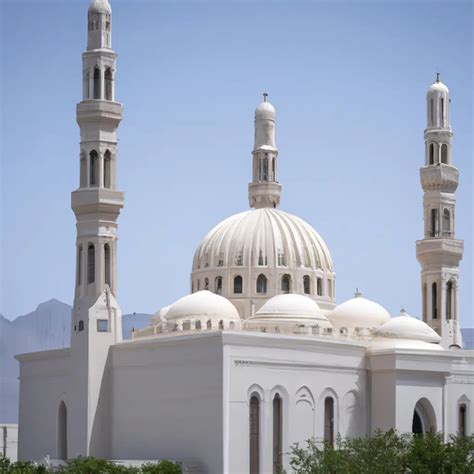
<point>303,370</point>
<point>167,399</point>
<point>44,381</point>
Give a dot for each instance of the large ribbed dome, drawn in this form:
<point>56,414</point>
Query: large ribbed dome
<point>267,242</point>
<point>263,237</point>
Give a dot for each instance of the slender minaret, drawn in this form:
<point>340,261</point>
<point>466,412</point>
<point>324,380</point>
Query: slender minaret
<point>439,253</point>
<point>264,190</point>
<point>96,316</point>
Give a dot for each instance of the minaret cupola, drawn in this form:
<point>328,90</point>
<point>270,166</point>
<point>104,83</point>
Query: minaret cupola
<point>99,25</point>
<point>264,190</point>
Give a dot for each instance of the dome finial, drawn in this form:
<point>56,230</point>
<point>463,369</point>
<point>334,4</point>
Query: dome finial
<point>437,77</point>
<point>357,293</point>
<point>265,97</point>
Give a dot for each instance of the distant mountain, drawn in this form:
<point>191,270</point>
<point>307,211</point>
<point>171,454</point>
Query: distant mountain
<point>48,327</point>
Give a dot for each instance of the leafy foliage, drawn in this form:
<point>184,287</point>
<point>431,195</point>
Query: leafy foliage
<point>386,453</point>
<point>88,465</point>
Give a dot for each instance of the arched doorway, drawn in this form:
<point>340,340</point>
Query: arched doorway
<point>424,419</point>
<point>62,431</point>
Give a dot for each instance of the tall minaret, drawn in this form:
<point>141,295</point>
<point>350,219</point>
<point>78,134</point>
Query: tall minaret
<point>439,253</point>
<point>264,190</point>
<point>96,316</point>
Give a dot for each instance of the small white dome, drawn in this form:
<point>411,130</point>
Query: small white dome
<point>406,327</point>
<point>265,110</point>
<point>359,312</point>
<point>438,86</point>
<point>202,305</point>
<point>290,305</point>
<point>100,6</point>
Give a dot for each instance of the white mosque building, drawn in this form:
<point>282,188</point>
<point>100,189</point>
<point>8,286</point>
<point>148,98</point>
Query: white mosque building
<point>259,355</point>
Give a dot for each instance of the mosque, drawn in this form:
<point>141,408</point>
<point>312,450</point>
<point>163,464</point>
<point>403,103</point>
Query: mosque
<point>259,355</point>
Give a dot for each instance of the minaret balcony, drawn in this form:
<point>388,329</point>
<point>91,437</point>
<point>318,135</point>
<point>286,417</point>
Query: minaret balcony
<point>439,177</point>
<point>97,200</point>
<point>94,109</point>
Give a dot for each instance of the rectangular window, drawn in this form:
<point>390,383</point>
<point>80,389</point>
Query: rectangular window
<point>102,325</point>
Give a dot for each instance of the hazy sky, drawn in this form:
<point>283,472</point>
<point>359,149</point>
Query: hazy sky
<point>348,80</point>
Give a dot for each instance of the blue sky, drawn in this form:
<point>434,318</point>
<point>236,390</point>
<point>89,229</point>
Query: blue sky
<point>348,80</point>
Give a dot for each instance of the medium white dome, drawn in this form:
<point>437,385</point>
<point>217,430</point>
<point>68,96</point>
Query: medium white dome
<point>288,313</point>
<point>202,305</point>
<point>358,312</point>
<point>406,327</point>
<point>100,6</point>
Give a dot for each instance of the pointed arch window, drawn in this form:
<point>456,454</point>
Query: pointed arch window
<point>265,168</point>
<point>329,421</point>
<point>277,433</point>
<point>62,431</point>
<point>434,301</point>
<point>431,154</point>
<point>319,286</point>
<point>286,283</point>
<point>446,221</point>
<point>238,284</point>
<point>81,325</point>
<point>449,300</point>
<point>107,263</point>
<point>218,285</point>
<point>444,153</point>
<point>307,285</point>
<point>261,284</point>
<point>97,83</point>
<point>424,303</point>
<point>434,223</point>
<point>83,171</point>
<point>79,266</point>
<point>462,420</point>
<point>107,169</point>
<point>93,168</point>
<point>91,264</point>
<point>254,434</point>
<point>206,283</point>
<point>108,84</point>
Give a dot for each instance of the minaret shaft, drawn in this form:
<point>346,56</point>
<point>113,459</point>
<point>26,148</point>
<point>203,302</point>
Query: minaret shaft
<point>439,253</point>
<point>96,317</point>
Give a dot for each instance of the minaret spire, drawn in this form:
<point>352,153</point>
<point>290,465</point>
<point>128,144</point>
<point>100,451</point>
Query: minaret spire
<point>264,190</point>
<point>96,317</point>
<point>439,253</point>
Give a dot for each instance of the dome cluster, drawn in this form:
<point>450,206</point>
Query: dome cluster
<point>357,319</point>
